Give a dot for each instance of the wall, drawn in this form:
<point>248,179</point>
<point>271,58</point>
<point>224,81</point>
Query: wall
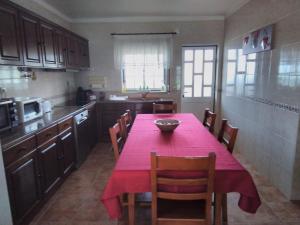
<point>266,106</point>
<point>55,86</point>
<point>101,46</point>
<point>40,9</point>
<point>58,87</point>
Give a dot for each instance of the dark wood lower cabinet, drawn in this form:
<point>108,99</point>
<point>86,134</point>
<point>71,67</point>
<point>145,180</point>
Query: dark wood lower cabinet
<point>67,152</point>
<point>23,179</point>
<point>93,128</point>
<point>50,166</point>
<point>36,167</point>
<point>110,111</point>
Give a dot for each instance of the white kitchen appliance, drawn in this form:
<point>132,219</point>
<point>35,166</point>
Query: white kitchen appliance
<point>47,106</point>
<point>29,108</point>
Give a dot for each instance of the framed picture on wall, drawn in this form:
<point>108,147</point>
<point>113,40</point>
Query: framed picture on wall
<point>258,41</point>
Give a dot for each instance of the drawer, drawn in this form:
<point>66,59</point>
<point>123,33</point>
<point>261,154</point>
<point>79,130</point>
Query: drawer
<point>46,134</point>
<point>18,151</point>
<point>65,124</point>
<point>122,107</point>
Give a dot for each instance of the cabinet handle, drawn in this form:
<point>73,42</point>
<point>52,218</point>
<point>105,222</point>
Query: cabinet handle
<point>66,136</point>
<point>51,146</point>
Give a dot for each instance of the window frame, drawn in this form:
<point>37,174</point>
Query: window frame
<point>166,82</point>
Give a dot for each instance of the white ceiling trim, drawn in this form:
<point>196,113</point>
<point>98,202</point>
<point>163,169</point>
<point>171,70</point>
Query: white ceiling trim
<point>53,10</point>
<point>143,19</point>
<point>236,7</point>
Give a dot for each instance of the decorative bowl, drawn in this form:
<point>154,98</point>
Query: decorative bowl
<point>167,125</point>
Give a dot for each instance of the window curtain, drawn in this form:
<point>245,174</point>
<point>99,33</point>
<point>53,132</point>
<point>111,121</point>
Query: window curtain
<point>137,50</point>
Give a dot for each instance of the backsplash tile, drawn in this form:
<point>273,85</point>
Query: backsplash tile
<point>266,106</point>
<point>58,87</point>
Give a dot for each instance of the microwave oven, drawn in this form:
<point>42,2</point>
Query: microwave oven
<point>29,108</point>
<point>8,114</point>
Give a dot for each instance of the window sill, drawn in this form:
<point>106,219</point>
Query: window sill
<point>143,92</point>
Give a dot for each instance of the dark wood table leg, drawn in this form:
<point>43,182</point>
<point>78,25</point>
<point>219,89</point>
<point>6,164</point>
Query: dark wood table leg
<point>218,209</point>
<point>131,207</point>
<point>224,209</point>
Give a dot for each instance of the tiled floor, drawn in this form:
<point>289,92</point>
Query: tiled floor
<point>77,201</point>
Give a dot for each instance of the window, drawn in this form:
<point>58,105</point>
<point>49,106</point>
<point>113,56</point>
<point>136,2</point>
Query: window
<point>241,72</point>
<point>198,71</point>
<point>144,73</point>
<point>144,61</point>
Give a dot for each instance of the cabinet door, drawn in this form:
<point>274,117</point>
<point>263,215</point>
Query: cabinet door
<point>50,167</point>
<point>84,54</point>
<point>48,45</point>
<point>93,129</point>
<point>24,187</point>
<point>68,151</point>
<point>61,41</point>
<point>10,42</point>
<point>73,60</point>
<point>31,41</point>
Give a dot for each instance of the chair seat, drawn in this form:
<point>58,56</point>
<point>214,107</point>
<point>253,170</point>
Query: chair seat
<point>177,209</point>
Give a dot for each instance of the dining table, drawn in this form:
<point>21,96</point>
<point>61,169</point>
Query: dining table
<point>131,173</point>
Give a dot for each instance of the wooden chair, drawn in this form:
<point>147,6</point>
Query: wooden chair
<point>209,120</point>
<point>164,108</point>
<point>182,208</point>
<point>227,136</point>
<point>126,123</point>
<point>117,139</point>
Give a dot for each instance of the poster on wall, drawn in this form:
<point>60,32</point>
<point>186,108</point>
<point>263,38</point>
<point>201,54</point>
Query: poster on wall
<point>258,41</point>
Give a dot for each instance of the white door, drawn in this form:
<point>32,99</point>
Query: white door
<point>198,80</point>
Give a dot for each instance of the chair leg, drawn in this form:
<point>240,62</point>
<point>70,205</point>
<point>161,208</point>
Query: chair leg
<point>218,209</point>
<point>131,213</point>
<point>224,209</point>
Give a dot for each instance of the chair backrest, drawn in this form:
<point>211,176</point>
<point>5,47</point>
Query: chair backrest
<point>205,166</point>
<point>209,120</point>
<point>126,123</point>
<point>164,108</point>
<point>227,135</point>
<point>117,139</point>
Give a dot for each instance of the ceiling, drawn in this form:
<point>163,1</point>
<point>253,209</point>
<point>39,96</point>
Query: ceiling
<point>91,9</point>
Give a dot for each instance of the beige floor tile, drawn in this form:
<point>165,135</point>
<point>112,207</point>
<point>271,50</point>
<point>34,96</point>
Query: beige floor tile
<point>77,200</point>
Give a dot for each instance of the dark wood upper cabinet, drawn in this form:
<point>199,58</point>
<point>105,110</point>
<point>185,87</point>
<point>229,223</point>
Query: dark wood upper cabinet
<point>50,167</point>
<point>23,180</point>
<point>72,52</point>
<point>10,41</point>
<point>49,41</point>
<point>61,41</point>
<point>84,58</point>
<point>31,40</point>
<point>27,39</point>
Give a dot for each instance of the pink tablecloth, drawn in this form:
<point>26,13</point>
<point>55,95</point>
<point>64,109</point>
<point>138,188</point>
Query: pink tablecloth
<point>132,171</point>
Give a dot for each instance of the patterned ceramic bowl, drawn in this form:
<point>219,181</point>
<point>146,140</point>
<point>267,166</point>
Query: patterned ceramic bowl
<point>167,125</point>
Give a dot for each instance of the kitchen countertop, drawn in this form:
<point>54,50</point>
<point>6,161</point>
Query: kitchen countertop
<point>136,100</point>
<point>29,128</point>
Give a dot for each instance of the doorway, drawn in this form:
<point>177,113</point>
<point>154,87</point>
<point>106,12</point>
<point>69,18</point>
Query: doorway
<point>198,79</point>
